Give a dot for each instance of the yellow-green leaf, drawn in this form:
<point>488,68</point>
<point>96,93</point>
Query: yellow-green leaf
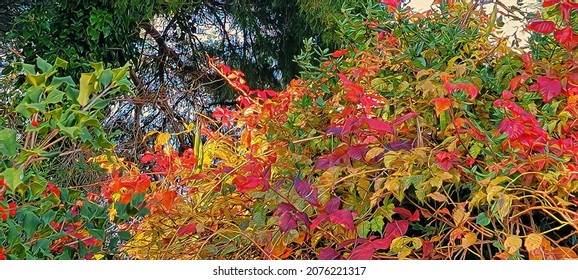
<point>86,88</point>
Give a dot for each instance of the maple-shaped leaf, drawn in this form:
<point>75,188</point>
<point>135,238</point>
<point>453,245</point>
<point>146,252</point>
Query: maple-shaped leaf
<point>343,217</point>
<point>542,26</point>
<point>287,222</point>
<point>306,191</point>
<point>191,228</point>
<point>441,104</point>
<point>549,88</point>
<point>514,129</point>
<point>329,254</point>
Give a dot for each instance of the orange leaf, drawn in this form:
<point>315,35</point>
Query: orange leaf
<point>441,104</point>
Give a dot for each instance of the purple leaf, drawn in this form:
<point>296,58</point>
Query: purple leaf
<point>357,152</point>
<point>284,207</point>
<point>287,222</point>
<point>301,216</point>
<point>329,254</point>
<point>306,191</point>
<point>332,205</point>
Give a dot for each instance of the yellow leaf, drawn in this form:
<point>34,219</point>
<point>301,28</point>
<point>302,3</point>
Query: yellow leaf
<point>469,239</point>
<point>162,139</point>
<point>98,256</point>
<point>512,244</point>
<point>492,191</point>
<point>438,197</point>
<point>373,152</point>
<point>86,88</point>
<point>533,241</point>
<point>460,216</point>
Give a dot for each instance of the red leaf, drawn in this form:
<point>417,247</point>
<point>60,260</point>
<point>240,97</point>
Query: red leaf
<point>402,211</point>
<point>542,26</point>
<point>566,37</point>
<point>565,8</point>
<point>306,191</point>
<point>320,219</point>
<point>396,228</point>
<point>441,104</point>
<point>191,228</point>
<point>548,3</point>
<point>339,53</point>
<point>343,217</point>
<point>147,158</point>
<point>404,118</point>
<point>506,94</point>
<point>391,3</point>
<point>470,89</point>
<point>362,252</point>
<point>338,156</point>
<point>378,124</point>
<point>427,248</point>
<point>549,88</point>
<point>329,254</point>
<point>513,128</point>
<point>515,82</point>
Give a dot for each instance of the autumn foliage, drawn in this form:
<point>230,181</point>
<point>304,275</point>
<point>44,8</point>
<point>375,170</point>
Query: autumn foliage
<point>425,137</point>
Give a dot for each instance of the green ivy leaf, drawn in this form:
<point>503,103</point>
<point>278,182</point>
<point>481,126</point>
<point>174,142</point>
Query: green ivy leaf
<point>13,178</point>
<point>482,219</point>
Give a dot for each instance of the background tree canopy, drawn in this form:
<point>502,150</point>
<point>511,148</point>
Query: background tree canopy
<point>166,41</point>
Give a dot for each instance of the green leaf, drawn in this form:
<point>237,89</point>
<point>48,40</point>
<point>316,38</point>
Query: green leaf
<point>60,80</point>
<point>61,63</point>
<point>13,178</point>
<point>86,88</point>
<point>363,229</point>
<point>30,224</point>
<point>8,144</point>
<point>105,78</point>
<point>54,97</point>
<point>377,224</point>
<point>43,65</point>
<point>482,219</point>
<point>124,235</point>
<point>36,79</point>
<point>97,233</point>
